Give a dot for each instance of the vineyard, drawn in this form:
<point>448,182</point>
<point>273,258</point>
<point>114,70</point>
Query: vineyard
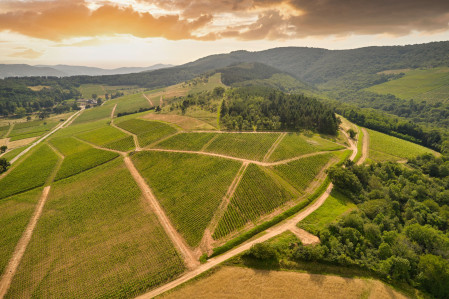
<point>31,129</point>
<point>388,148</point>
<point>16,212</point>
<point>147,131</point>
<point>131,103</point>
<point>84,160</point>
<point>244,145</point>
<point>68,145</point>
<point>186,141</point>
<point>93,114</point>
<point>189,187</point>
<point>96,239</point>
<point>256,195</point>
<point>293,145</point>
<point>302,172</point>
<point>109,137</point>
<point>3,131</point>
<point>31,173</point>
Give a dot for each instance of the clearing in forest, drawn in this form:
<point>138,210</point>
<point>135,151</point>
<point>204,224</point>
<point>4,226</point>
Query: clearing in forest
<point>383,147</point>
<point>189,187</point>
<point>96,239</point>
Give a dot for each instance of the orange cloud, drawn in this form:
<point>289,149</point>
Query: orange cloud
<point>66,19</point>
<point>251,19</point>
<point>30,54</point>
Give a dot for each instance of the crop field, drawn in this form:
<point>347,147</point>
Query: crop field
<point>256,195</point>
<point>87,90</point>
<point>147,131</point>
<point>431,85</point>
<point>302,172</point>
<point>31,129</point>
<point>74,129</point>
<point>189,187</point>
<point>84,160</point>
<point>31,173</point>
<point>244,145</point>
<point>93,114</point>
<point>185,122</point>
<point>109,137</point>
<point>3,131</point>
<point>293,145</point>
<point>206,116</point>
<point>68,145</point>
<point>384,147</point>
<point>96,239</point>
<point>15,215</point>
<point>212,82</point>
<point>240,282</point>
<point>186,141</point>
<point>131,103</point>
<point>334,206</point>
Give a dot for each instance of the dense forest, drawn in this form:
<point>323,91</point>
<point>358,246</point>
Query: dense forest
<point>399,231</point>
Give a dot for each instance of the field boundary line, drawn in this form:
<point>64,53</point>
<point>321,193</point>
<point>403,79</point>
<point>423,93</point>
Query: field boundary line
<point>45,136</point>
<point>113,111</point>
<point>206,145</point>
<point>172,233</point>
<point>227,198</point>
<point>135,138</point>
<point>99,147</point>
<point>365,147</point>
<point>58,165</point>
<point>149,101</point>
<point>273,147</point>
<point>9,130</point>
<point>161,140</point>
<point>21,246</point>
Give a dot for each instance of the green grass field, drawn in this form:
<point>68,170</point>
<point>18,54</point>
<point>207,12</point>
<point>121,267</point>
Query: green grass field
<point>244,145</point>
<point>186,141</point>
<point>212,82</point>
<point>334,206</point>
<point>88,89</point>
<point>109,137</point>
<point>130,103</point>
<point>383,147</point>
<point>31,129</point>
<point>189,187</point>
<point>147,131</point>
<point>82,161</point>
<point>95,113</point>
<point>257,194</point>
<point>31,173</point>
<point>431,85</point>
<point>96,239</point>
<point>15,215</point>
<point>300,173</point>
<point>293,145</point>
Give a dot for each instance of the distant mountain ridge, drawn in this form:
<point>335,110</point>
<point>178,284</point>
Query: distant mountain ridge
<point>25,70</point>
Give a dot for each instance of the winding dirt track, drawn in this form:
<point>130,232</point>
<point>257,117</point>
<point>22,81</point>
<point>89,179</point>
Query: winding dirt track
<point>289,224</point>
<point>149,101</point>
<point>365,147</point>
<point>22,245</point>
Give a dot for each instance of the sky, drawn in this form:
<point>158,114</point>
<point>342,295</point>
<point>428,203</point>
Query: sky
<point>117,33</point>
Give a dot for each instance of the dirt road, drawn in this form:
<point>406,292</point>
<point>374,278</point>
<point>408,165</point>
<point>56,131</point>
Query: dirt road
<point>289,224</point>
<point>22,245</point>
<point>365,147</point>
<point>149,101</point>
<point>176,238</point>
<point>45,137</point>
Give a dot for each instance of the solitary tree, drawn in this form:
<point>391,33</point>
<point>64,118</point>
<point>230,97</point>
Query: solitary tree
<point>352,133</point>
<point>4,164</point>
<point>3,148</point>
